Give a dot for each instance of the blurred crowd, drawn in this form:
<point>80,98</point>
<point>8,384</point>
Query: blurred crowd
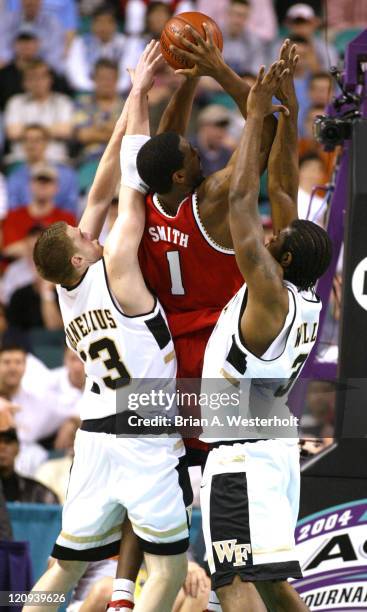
<point>63,83</point>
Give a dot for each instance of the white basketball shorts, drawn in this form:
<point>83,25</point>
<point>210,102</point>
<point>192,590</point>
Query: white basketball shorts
<point>249,502</point>
<point>145,477</point>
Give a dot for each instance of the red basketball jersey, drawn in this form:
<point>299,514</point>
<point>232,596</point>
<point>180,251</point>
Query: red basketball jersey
<point>192,276</point>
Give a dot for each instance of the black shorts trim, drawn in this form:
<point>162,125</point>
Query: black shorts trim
<point>89,554</point>
<point>259,573</point>
<point>170,548</point>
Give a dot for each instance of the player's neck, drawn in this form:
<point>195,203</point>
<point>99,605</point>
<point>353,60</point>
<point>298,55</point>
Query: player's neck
<point>76,280</point>
<point>172,200</point>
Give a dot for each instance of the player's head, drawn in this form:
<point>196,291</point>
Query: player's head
<point>304,251</point>
<point>168,161</point>
<point>63,253</point>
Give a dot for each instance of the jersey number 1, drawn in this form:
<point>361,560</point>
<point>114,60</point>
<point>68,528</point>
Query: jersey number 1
<point>173,258</point>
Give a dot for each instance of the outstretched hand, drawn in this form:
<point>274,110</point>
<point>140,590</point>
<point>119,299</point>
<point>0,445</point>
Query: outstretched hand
<point>286,92</point>
<point>203,53</point>
<point>150,61</point>
<point>259,101</point>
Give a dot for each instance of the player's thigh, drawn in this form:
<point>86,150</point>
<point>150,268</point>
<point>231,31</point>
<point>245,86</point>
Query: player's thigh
<point>91,519</point>
<point>160,496</point>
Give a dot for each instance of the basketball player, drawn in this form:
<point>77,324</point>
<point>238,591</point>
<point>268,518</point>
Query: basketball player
<point>119,330</point>
<point>250,488</point>
<point>187,247</point>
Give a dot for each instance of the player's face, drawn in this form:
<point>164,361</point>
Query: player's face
<point>276,243</point>
<point>84,246</point>
<point>192,164</point>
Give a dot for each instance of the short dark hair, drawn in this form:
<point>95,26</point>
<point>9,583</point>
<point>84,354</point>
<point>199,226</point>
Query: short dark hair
<point>52,254</point>
<point>104,62</point>
<point>311,250</point>
<point>310,156</point>
<point>152,6</point>
<point>158,159</point>
<point>243,2</point>
<point>11,347</point>
<point>295,38</point>
<point>104,9</point>
<point>38,127</point>
<point>320,75</point>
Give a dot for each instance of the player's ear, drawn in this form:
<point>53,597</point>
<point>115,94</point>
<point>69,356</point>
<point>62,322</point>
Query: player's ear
<point>179,176</point>
<point>286,259</point>
<point>77,261</point>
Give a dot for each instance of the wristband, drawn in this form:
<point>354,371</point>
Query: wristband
<point>130,148</point>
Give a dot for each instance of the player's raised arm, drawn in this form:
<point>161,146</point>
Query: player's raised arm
<point>208,61</point>
<point>177,113</point>
<point>121,248</point>
<point>105,181</point>
<point>283,172</point>
<point>267,303</point>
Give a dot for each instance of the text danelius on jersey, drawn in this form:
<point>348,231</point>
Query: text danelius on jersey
<point>192,276</point>
<point>263,383</point>
<point>119,351</point>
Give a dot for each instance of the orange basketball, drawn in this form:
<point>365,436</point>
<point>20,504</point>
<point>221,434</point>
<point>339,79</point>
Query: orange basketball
<point>176,25</point>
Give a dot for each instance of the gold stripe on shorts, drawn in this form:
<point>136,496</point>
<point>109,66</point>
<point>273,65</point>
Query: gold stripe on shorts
<point>234,381</point>
<point>169,357</point>
<point>94,538</point>
<point>161,534</point>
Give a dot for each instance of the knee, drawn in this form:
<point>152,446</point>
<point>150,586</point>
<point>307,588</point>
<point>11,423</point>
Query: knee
<point>101,592</point>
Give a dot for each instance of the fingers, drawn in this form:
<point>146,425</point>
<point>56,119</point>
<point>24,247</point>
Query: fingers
<point>199,40</point>
<point>280,108</point>
<point>284,50</point>
<point>187,43</point>
<point>189,72</point>
<point>260,76</point>
<point>183,54</point>
<point>209,34</point>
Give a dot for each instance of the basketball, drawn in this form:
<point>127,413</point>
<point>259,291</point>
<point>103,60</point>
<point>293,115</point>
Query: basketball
<point>176,25</point>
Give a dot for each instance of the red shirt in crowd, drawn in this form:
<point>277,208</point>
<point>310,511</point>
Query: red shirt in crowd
<point>18,222</point>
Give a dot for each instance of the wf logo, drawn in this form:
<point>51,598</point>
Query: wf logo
<point>229,549</point>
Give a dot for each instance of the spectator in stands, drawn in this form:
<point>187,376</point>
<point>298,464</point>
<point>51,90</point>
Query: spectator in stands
<point>344,15</point>
<point>35,141</point>
<point>39,105</point>
<point>42,210</point>
<point>308,143</point>
<point>320,89</point>
<point>3,198</point>
<point>5,526</point>
<point>311,174</point>
<point>158,13</point>
<point>15,487</point>
<point>22,271</point>
<point>103,42</point>
<point>302,76</point>
<point>9,335</point>
<point>302,21</point>
<point>26,49</point>
<point>95,117</point>
<point>67,383</point>
<point>65,11</point>
<point>34,418</point>
<point>212,138</point>
<point>35,305</point>
<point>242,50</point>
<point>48,29</point>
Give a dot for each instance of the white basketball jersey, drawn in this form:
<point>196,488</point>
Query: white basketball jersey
<point>117,349</point>
<point>263,383</point>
